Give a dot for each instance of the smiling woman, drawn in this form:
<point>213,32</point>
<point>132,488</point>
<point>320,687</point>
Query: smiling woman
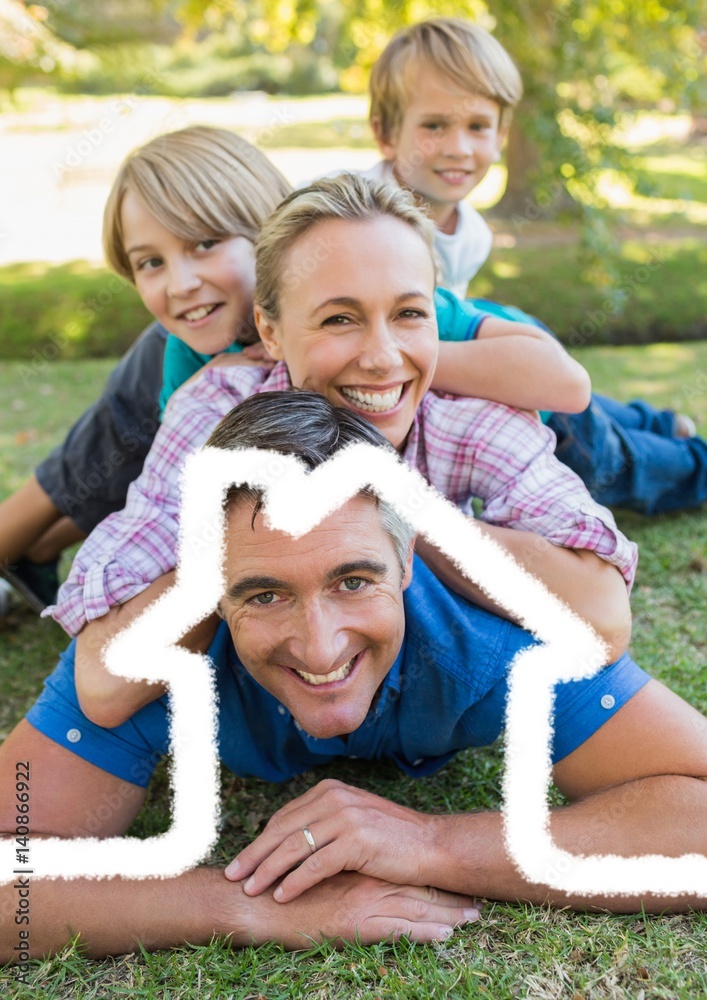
<point>369,347</point>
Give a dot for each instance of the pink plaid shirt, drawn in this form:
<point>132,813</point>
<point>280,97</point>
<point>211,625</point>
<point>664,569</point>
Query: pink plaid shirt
<point>465,448</point>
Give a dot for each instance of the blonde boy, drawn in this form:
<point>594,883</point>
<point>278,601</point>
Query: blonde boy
<point>442,95</point>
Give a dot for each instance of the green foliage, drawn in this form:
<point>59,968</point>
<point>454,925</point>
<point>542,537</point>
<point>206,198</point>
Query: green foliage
<point>79,311</point>
<point>69,311</point>
<point>29,50</point>
<point>112,22</point>
<point>646,301</point>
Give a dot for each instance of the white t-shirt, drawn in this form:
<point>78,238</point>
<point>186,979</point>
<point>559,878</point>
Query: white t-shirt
<point>461,253</point>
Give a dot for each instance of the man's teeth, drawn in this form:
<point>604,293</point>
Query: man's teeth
<point>199,313</point>
<point>335,675</point>
<point>374,402</point>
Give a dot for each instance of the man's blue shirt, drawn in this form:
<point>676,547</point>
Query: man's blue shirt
<point>445,692</point>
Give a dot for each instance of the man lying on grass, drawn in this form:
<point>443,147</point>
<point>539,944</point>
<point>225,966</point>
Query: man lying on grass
<point>333,647</point>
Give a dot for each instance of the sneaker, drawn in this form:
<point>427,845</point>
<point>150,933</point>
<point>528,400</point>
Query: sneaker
<point>684,426</point>
<point>7,602</point>
<point>36,582</point>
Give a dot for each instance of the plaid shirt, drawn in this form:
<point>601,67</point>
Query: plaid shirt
<point>465,448</point>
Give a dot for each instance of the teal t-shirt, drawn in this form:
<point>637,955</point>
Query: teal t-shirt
<point>457,319</point>
<point>181,362</point>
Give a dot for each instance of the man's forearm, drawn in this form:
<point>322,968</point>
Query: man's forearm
<point>591,587</point>
<point>113,915</point>
<point>657,815</point>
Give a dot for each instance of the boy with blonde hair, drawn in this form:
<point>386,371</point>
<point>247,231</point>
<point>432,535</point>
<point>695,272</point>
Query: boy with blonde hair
<point>442,96</point>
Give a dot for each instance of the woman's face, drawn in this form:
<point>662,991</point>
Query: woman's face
<point>357,319</point>
<point>201,292</point>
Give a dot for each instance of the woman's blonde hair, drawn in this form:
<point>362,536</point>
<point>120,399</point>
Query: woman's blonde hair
<point>458,49</point>
<point>347,196</point>
<point>199,182</point>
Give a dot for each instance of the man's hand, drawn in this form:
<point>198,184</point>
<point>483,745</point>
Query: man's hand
<point>353,907</point>
<point>353,830</point>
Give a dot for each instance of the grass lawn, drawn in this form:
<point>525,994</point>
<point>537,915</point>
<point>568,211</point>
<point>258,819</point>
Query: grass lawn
<point>512,951</point>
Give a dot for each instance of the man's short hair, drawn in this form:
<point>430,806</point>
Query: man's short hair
<point>452,46</point>
<point>305,424</point>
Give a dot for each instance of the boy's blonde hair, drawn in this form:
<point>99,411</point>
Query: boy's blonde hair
<point>199,182</point>
<point>452,46</point>
<point>348,196</point>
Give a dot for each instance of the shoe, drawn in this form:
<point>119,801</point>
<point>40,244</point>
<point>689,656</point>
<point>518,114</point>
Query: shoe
<point>6,598</point>
<point>684,426</point>
<point>36,582</point>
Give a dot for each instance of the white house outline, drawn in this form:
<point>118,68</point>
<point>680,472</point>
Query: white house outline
<point>295,502</point>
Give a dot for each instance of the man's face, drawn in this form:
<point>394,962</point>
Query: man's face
<point>445,144</point>
<point>317,621</point>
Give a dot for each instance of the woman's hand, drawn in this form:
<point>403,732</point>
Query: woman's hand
<point>253,356</point>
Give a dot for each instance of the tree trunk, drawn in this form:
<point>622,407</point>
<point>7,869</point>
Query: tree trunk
<point>521,160</point>
<point>523,200</point>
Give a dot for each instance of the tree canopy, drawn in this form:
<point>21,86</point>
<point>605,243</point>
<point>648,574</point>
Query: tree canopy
<point>583,62</point>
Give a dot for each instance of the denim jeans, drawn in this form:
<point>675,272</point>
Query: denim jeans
<point>627,457</point>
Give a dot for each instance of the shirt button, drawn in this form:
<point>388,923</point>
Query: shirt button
<point>417,762</point>
<point>608,701</point>
<point>73,736</point>
<point>282,710</point>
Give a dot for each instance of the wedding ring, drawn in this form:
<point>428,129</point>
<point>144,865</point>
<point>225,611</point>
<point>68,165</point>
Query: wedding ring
<point>310,839</point>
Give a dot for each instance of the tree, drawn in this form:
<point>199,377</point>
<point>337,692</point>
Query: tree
<point>580,62</point>
<point>111,22</point>
<point>28,49</point>
<point>575,57</point>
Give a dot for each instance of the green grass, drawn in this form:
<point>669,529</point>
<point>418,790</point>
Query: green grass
<point>352,133</point>
<point>512,951</point>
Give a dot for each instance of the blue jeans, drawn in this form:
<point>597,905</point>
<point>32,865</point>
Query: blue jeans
<point>627,457</point>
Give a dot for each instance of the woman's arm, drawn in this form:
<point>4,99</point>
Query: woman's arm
<point>592,588</point>
<point>513,363</point>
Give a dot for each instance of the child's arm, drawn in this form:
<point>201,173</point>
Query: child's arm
<point>498,353</point>
<point>516,364</point>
